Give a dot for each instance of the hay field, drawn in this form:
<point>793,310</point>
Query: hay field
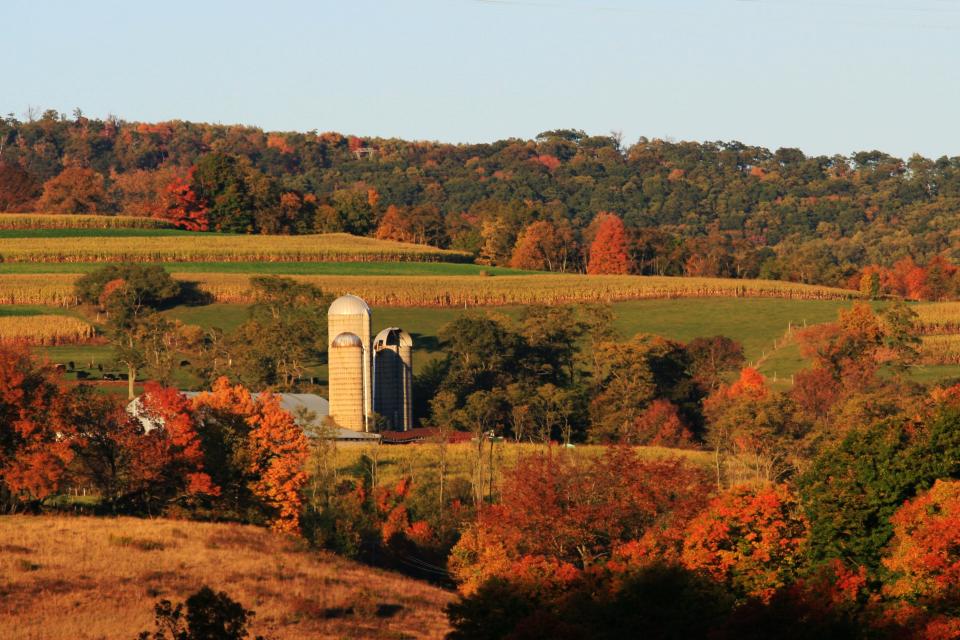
<point>209,247</point>
<point>64,578</point>
<point>453,291</point>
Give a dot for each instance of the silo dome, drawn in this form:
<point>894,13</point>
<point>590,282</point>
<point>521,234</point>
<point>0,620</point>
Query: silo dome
<point>393,336</point>
<point>347,339</point>
<point>348,306</point>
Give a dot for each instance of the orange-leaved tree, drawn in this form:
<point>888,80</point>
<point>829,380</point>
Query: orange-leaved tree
<point>75,190</point>
<point>609,251</point>
<point>924,556</point>
<point>255,452</point>
<point>35,441</point>
<point>751,539</point>
<point>395,225</point>
<point>545,246</point>
<point>560,515</point>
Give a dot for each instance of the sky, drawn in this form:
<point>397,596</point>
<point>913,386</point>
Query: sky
<point>825,76</point>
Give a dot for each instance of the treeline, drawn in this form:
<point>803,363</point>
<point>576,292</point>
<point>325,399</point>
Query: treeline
<point>707,209</point>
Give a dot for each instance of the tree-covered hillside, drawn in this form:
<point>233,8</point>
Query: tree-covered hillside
<point>708,209</point>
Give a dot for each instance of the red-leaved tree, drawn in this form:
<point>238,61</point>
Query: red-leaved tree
<point>609,252</point>
<point>560,515</point>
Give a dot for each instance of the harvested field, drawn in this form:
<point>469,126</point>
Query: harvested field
<point>65,578</point>
<point>454,291</point>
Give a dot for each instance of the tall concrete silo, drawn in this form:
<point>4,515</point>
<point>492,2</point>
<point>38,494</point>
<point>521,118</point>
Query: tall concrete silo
<point>350,314</point>
<point>393,377</point>
<point>346,381</point>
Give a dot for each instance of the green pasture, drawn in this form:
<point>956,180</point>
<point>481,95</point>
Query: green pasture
<point>760,324</point>
<point>34,310</point>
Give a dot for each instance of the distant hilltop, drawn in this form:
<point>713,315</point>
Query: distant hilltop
<point>706,209</point>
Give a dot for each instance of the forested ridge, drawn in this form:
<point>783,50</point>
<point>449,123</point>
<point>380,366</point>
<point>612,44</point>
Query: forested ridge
<point>688,208</point>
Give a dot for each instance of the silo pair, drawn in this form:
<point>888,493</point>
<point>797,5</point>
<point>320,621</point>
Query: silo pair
<point>368,378</point>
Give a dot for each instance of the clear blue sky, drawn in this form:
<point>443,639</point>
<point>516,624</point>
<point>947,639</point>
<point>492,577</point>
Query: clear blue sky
<point>826,76</point>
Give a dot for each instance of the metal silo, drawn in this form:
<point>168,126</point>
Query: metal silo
<point>346,381</point>
<point>350,314</point>
<point>393,377</point>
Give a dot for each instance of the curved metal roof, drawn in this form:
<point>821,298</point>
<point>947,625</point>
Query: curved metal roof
<point>346,339</point>
<point>348,305</point>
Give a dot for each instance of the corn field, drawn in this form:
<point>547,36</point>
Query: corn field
<point>331,247</point>
<point>941,349</point>
<point>939,317</point>
<point>45,330</point>
<point>79,221</point>
<point>451,291</point>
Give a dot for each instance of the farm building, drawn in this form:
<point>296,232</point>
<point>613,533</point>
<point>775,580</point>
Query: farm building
<point>309,410</point>
<point>370,380</point>
<point>368,377</point>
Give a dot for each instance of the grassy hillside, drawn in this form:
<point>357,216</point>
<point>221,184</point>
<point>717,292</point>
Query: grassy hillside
<point>78,578</point>
<point>759,323</point>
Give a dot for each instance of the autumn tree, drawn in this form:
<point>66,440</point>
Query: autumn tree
<point>255,453</point>
<point>17,188</point>
<point>545,246</point>
<point>750,539</point>
<point>609,251</point>
<point>150,461</point>
<point>560,515</point>
<point>924,555</point>
<point>35,440</point>
<point>74,190</point>
<point>143,192</point>
<point>713,358</point>
<point>660,425</point>
<point>627,377</point>
<point>130,294</point>
<point>753,432</point>
<point>847,349</point>
<point>395,225</point>
<point>182,204</point>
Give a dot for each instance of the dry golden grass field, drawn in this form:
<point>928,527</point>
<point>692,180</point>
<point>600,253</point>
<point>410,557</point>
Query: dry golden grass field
<point>66,578</point>
<point>421,462</point>
<point>453,291</point>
